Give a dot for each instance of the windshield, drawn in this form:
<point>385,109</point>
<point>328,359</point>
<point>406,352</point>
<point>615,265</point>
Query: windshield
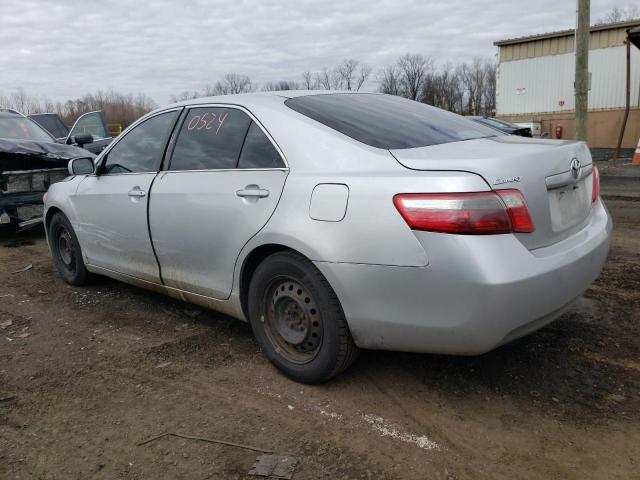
<point>386,121</point>
<point>22,128</point>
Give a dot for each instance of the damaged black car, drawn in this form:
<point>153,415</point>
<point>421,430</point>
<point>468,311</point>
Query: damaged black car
<point>30,161</point>
<point>89,131</point>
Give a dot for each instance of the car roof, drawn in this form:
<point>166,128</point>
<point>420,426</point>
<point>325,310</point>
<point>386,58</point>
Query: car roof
<point>10,112</point>
<point>255,98</point>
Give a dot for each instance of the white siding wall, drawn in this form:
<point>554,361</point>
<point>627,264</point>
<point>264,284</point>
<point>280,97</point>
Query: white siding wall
<point>537,85</point>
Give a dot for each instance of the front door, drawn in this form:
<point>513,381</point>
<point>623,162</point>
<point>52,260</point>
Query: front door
<point>111,207</point>
<point>223,183</point>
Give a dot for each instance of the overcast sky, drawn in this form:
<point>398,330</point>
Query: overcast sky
<point>64,48</point>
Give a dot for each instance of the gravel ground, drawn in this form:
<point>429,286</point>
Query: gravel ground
<point>88,373</point>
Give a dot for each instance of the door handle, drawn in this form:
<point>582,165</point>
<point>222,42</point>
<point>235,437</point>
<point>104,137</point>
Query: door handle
<point>253,192</point>
<point>136,192</point>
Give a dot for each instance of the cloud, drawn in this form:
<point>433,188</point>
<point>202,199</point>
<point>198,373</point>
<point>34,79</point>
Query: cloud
<point>63,49</point>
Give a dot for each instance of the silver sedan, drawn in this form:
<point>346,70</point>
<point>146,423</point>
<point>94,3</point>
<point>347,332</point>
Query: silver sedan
<point>338,221</point>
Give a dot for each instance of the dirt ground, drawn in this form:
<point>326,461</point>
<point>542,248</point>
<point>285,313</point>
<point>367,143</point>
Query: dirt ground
<point>88,373</point>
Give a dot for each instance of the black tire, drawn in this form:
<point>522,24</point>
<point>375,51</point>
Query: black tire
<point>65,249</point>
<point>297,319</point>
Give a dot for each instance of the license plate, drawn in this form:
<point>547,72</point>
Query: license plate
<point>568,205</point>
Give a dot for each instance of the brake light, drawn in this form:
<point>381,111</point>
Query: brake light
<point>595,191</point>
<point>517,210</point>
<point>469,213</point>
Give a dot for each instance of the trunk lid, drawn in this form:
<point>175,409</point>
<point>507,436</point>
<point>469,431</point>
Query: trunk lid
<point>558,196</point>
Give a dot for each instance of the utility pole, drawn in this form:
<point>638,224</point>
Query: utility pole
<point>581,83</point>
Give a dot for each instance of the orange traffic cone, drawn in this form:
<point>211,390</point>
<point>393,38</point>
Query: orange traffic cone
<point>636,156</point>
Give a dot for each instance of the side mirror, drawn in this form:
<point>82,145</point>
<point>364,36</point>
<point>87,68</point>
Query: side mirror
<point>83,138</point>
<point>81,166</point>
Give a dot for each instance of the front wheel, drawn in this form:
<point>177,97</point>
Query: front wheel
<point>297,319</point>
<point>66,252</point>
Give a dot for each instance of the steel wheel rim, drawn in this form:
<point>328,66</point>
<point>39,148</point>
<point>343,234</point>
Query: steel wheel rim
<point>65,248</point>
<point>292,320</point>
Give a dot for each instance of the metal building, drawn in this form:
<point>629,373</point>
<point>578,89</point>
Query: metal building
<point>535,82</point>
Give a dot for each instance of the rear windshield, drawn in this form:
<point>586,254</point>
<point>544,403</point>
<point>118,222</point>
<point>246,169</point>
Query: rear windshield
<point>386,121</point>
<point>51,123</point>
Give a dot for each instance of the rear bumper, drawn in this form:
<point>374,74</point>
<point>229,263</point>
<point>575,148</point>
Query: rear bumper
<point>477,292</point>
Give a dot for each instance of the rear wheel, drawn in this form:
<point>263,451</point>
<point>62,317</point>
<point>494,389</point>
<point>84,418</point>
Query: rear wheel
<point>66,252</point>
<point>297,319</point>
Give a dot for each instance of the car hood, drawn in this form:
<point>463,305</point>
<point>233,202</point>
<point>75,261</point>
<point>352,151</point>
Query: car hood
<point>29,154</point>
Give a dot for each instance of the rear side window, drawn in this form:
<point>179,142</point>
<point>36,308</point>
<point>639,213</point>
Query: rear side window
<point>386,121</point>
<point>210,138</point>
<point>258,151</point>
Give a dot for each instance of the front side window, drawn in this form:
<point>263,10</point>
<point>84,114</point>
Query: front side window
<point>142,148</point>
<point>210,138</point>
<point>258,151</point>
<point>92,123</point>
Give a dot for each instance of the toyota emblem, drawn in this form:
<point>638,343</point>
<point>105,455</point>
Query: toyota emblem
<point>574,166</point>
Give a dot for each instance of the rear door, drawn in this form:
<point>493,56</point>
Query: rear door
<point>111,207</point>
<point>222,184</point>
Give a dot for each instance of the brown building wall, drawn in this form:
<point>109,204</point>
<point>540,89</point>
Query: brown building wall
<point>603,126</point>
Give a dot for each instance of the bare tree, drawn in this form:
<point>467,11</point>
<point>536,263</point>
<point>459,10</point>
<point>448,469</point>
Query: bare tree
<point>363,73</point>
<point>617,14</point>
<point>489,90</point>
<point>325,79</point>
<point>117,107</point>
<point>346,72</point>
<point>413,68</point>
<point>186,95</point>
<point>350,74</point>
<point>233,83</point>
<point>308,81</point>
<point>23,102</point>
<point>389,80</point>
<point>449,88</point>
<point>473,78</point>
<point>280,85</point>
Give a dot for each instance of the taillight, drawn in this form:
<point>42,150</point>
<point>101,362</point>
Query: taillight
<point>469,213</point>
<point>517,210</point>
<point>595,191</point>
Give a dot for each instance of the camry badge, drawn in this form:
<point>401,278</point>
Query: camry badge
<point>574,166</point>
<point>500,181</point>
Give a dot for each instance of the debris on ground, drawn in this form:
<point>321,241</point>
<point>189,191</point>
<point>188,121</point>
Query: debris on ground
<point>275,466</point>
<point>202,439</point>
<point>6,323</point>
<point>24,269</point>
